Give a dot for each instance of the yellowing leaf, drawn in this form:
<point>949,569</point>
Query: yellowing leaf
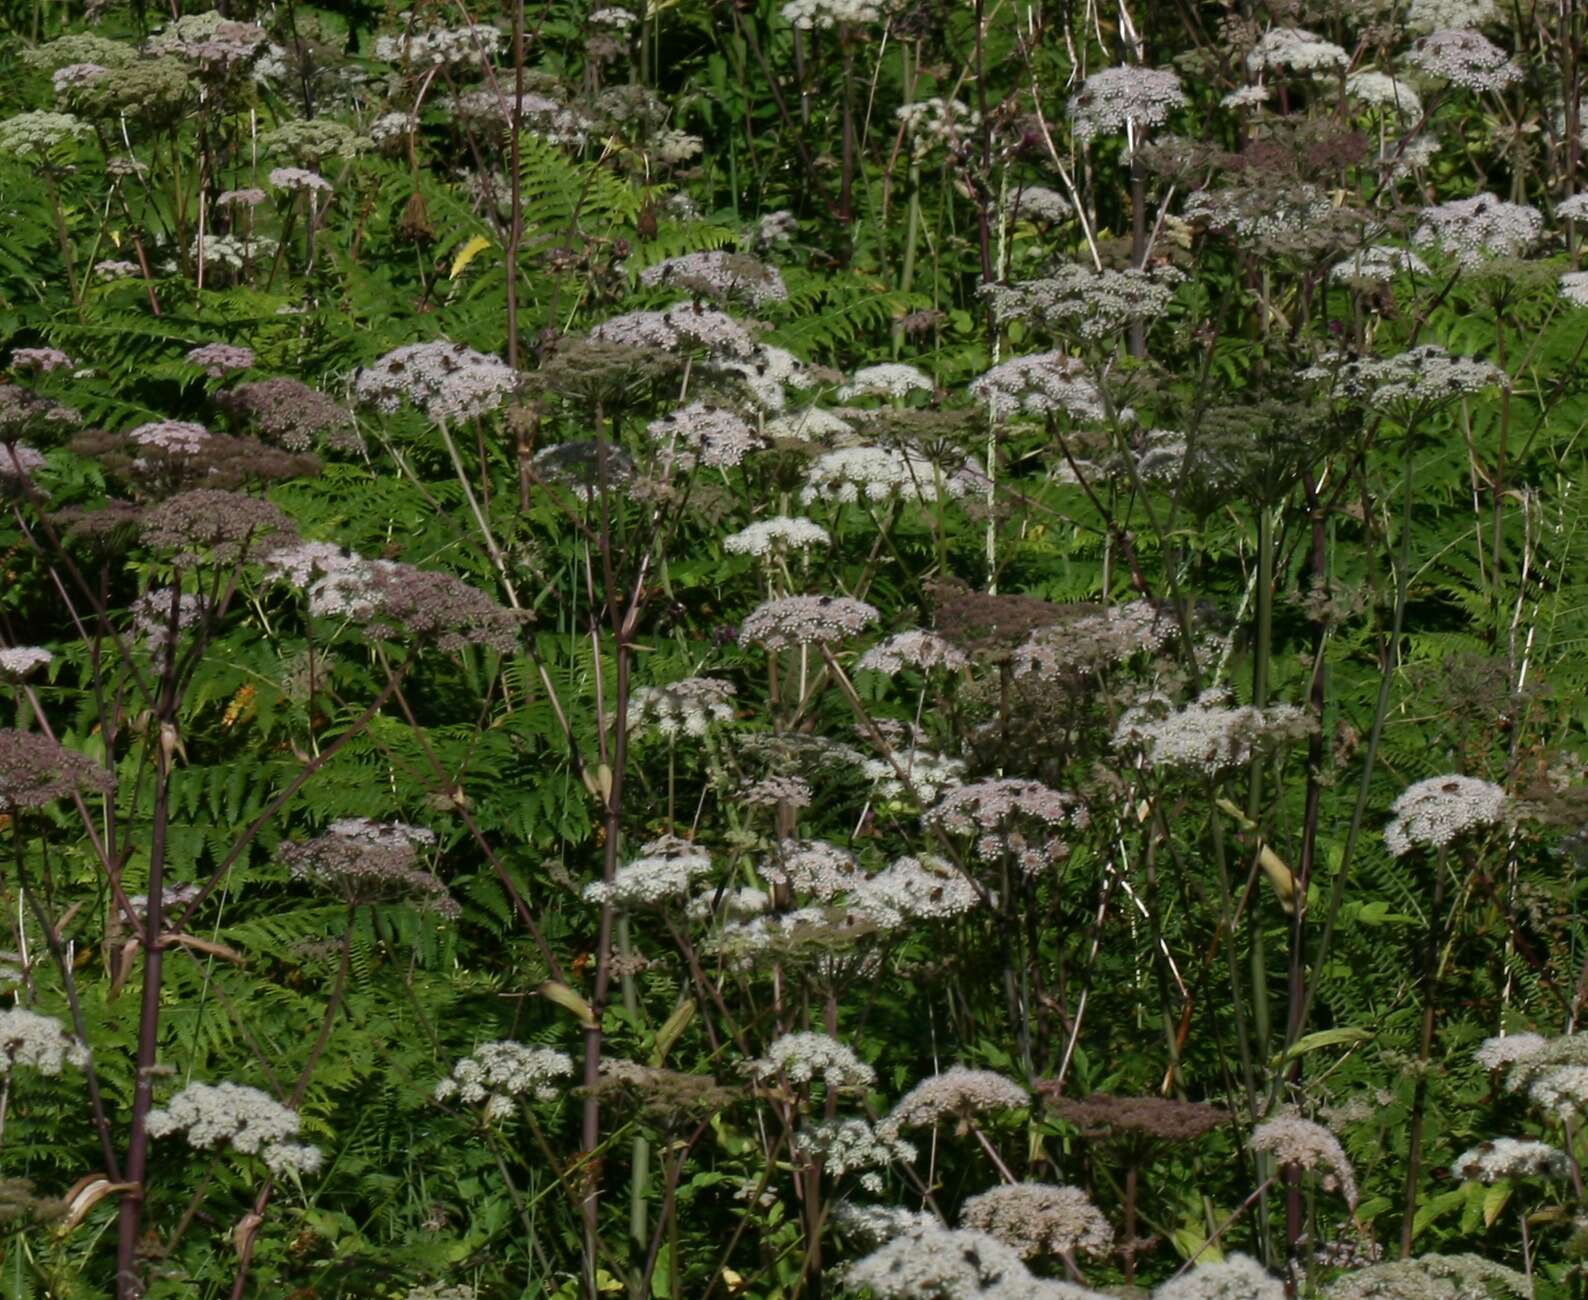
<point>566,998</point>
<point>467,254</point>
<point>1494,1202</point>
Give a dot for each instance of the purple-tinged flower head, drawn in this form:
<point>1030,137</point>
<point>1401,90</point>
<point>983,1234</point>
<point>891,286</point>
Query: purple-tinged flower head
<point>685,328</point>
<point>291,414</point>
<point>297,180</point>
<point>916,648</point>
<point>1039,1219</point>
<point>74,75</point>
<point>217,44</point>
<point>1471,230</point>
<point>1463,58</point>
<point>181,436</point>
<point>244,198</point>
<point>721,276</point>
<point>24,413</point>
<point>1208,735</point>
<point>436,607</point>
<point>205,523</point>
<point>1041,383</point>
<point>447,381</point>
<point>366,861</point>
<point>805,620</point>
<point>17,463</point>
<point>35,770</point>
<point>44,360</point>
<point>706,435</point>
<point>216,359</point>
<point>152,618</point>
<point>1125,99</point>
<point>1093,641</point>
<point>1011,816</point>
<point>16,662</point>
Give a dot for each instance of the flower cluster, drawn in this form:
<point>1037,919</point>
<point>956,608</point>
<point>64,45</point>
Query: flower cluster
<point>216,359</point>
<point>805,1057</point>
<point>812,867</point>
<point>1039,1219</point>
<point>43,360</point>
<point>916,648</point>
<point>916,773</point>
<point>423,49</point>
<point>704,435</point>
<point>1041,383</point>
<point>1463,58</point>
<point>679,329</point>
<point>16,662</point>
<point>683,708</point>
<point>820,15</point>
<point>34,135</point>
<point>956,1093</point>
<point>1293,49</point>
<point>664,872</point>
<point>847,1146</point>
<point>1235,1277</point>
<point>1124,99</point>
<point>367,861</point>
<point>1506,1158</point>
<point>38,1042</point>
<point>299,180</point>
<point>805,620</point>
<point>499,1072</point>
<point>1378,264</point>
<point>447,381</point>
<point>930,1260</point>
<point>35,770</point>
<point>245,1119</point>
<point>1013,816</point>
<point>1380,90</point>
<point>924,888</point>
<point>1415,377</point>
<point>776,537</point>
<point>1091,304</point>
<point>1433,812</point>
<point>1483,226</point>
<point>290,413</point>
<point>720,275</point>
<point>871,474</point>
<point>889,379</point>
<point>1094,640</point>
<point>1292,1140</point>
<point>1207,735</point>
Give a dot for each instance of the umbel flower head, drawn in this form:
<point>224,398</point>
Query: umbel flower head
<point>245,1119</point>
<point>1432,813</point>
<point>876,474</point>
<point>928,1260</point>
<point>1123,99</point>
<point>1039,1219</point>
<point>1506,1158</point>
<point>367,861</point>
<point>1209,734</point>
<point>1235,1277</point>
<point>447,381</point>
<point>1292,1140</point>
<point>1474,229</point>
<point>664,872</point>
<point>498,1073</point>
<point>719,275</point>
<point>806,1057</point>
<point>1013,816</point>
<point>853,1146</point>
<point>805,620</point>
<point>38,1042</point>
<point>35,770</point>
<point>1464,58</point>
<point>16,662</point>
<point>689,707</point>
<point>957,1093</point>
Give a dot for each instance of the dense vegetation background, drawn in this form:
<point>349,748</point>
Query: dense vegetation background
<point>768,650</point>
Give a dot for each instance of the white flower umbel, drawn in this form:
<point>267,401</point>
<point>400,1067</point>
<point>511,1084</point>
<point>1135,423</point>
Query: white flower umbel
<point>1506,1158</point>
<point>1292,1140</point>
<point>916,648</point>
<point>957,1093</point>
<point>812,868</point>
<point>847,1146</point>
<point>806,1057</point>
<point>1293,49</point>
<point>1208,735</point>
<point>890,379</point>
<point>936,1263</point>
<point>690,707</point>
<point>447,381</point>
<point>18,661</point>
<point>778,536</point>
<point>1380,90</point>
<point>664,872</point>
<point>926,888</point>
<point>1471,230</point>
<point>1235,1277</point>
<point>1574,288</point>
<point>38,1042</point>
<point>823,14</point>
<point>1077,300</point>
<point>1467,59</point>
<point>1041,383</point>
<point>805,620</point>
<point>853,474</point>
<point>498,1072</point>
<point>1450,15</point>
<point>243,1118</point>
<point>1432,813</point>
<point>1378,265</point>
<point>1115,100</point>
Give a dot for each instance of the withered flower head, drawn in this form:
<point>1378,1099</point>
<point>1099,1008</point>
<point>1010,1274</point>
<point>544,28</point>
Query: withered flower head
<point>35,770</point>
<point>1161,1119</point>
